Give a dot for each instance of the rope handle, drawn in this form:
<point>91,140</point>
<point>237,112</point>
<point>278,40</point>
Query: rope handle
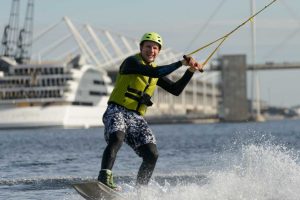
<point>187,59</point>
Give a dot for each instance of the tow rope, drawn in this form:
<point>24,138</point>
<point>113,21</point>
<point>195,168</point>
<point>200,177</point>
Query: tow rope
<point>224,37</point>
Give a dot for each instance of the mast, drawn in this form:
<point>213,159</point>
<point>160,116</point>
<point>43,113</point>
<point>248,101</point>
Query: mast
<point>255,78</point>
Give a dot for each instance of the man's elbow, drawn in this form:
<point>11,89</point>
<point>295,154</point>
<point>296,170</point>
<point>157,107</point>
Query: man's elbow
<point>177,93</point>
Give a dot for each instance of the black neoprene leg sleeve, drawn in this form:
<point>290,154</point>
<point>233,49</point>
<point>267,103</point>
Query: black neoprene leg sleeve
<point>149,154</point>
<point>114,144</point>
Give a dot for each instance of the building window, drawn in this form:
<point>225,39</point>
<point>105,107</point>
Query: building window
<point>98,82</point>
<point>95,93</point>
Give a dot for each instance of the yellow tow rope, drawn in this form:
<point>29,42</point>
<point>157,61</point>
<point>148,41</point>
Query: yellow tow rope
<point>223,38</point>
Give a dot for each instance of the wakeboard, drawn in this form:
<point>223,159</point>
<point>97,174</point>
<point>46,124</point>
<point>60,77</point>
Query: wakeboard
<point>97,191</point>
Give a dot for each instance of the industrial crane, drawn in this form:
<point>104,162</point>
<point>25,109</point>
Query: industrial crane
<point>16,43</point>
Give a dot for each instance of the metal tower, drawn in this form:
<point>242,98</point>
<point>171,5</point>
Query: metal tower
<point>10,34</point>
<point>24,42</point>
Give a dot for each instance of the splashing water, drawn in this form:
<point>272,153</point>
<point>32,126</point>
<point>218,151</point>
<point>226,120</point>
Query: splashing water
<point>263,172</point>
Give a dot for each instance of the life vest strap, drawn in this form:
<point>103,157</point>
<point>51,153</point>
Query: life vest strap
<point>135,91</point>
<point>144,99</point>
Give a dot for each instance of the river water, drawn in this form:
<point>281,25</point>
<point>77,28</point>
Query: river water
<point>228,161</point>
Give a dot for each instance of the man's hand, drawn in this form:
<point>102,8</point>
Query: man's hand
<point>194,65</point>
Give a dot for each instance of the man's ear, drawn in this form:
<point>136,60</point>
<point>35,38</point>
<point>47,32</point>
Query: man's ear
<point>141,45</point>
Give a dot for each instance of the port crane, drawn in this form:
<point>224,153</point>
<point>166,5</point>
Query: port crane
<point>16,43</point>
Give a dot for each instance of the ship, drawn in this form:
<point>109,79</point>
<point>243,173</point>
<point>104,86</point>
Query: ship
<point>70,95</point>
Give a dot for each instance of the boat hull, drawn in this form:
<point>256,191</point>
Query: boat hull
<point>67,116</point>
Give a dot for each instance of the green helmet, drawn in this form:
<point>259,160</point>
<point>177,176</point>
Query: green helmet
<point>152,36</point>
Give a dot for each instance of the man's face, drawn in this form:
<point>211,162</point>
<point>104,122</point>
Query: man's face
<point>149,51</point>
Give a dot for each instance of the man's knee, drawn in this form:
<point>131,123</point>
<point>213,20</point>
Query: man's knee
<point>153,156</point>
<point>117,137</point>
<point>149,153</point>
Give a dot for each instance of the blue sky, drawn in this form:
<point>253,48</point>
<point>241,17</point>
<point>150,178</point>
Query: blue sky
<point>179,22</point>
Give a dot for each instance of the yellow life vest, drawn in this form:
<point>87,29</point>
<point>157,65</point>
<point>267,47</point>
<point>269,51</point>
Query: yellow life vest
<point>133,91</point>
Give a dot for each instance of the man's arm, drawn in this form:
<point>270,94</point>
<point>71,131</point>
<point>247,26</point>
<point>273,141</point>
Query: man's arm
<point>132,66</point>
<point>177,87</point>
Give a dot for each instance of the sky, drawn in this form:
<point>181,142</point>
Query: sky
<point>188,25</point>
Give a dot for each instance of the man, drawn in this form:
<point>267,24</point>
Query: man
<point>123,119</point>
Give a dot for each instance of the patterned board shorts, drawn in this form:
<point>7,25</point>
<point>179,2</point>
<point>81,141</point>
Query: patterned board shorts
<point>135,127</point>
